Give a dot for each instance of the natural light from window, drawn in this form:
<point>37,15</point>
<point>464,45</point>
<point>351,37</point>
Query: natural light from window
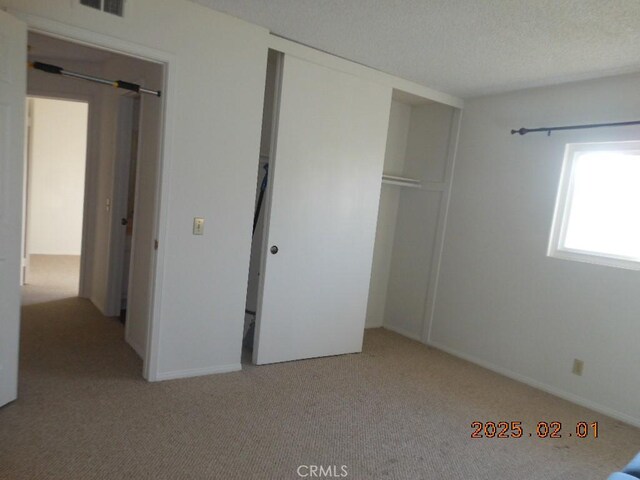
<point>598,211</point>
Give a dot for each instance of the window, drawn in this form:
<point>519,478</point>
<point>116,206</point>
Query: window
<point>597,217</point>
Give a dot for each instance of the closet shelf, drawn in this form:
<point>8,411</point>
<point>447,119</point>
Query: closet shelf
<point>401,181</point>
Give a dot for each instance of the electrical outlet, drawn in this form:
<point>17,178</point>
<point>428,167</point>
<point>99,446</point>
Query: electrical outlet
<point>578,367</point>
<point>198,226</point>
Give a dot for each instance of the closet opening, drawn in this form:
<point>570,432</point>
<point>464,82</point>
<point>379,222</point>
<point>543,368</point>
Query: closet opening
<point>267,139</point>
<point>416,181</point>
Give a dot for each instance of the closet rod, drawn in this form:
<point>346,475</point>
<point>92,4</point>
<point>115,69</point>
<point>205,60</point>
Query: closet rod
<point>524,131</point>
<point>133,87</point>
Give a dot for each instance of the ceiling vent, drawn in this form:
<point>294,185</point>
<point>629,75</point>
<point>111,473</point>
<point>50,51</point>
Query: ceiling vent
<point>115,7</point>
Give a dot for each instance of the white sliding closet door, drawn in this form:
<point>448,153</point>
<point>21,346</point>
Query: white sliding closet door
<point>321,213</point>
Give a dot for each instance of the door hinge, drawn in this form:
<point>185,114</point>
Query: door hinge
<point>155,244</point>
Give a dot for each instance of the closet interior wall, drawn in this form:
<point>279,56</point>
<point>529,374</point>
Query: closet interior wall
<point>411,218</point>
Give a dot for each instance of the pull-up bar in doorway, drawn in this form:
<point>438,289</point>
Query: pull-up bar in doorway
<point>133,87</point>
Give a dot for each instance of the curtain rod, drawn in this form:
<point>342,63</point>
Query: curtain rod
<point>524,131</point>
<point>133,87</point>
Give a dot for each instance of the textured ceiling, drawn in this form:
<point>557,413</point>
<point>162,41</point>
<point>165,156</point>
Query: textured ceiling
<point>463,47</point>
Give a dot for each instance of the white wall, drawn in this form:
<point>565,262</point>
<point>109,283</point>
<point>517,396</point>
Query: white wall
<point>214,95</point>
<point>501,301</point>
<point>56,176</point>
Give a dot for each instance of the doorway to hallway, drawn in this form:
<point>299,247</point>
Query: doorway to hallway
<point>55,170</point>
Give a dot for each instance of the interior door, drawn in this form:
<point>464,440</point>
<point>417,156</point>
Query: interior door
<point>13,62</point>
<point>325,178</point>
<point>143,253</point>
<point>123,199</point>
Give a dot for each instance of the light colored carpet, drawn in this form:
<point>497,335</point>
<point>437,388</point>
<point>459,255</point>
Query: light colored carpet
<point>51,277</point>
<point>399,410</point>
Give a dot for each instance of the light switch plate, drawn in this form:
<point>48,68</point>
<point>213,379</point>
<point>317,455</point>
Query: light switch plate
<point>198,226</point>
<point>578,367</point>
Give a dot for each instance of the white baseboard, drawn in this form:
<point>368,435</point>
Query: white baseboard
<point>578,400</point>
<point>136,347</point>
<point>101,308</point>
<point>403,332</point>
<point>197,372</point>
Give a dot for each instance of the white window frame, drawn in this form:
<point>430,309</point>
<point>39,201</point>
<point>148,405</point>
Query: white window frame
<point>563,207</point>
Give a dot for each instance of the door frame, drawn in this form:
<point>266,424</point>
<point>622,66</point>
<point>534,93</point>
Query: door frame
<point>88,229</point>
<point>82,36</point>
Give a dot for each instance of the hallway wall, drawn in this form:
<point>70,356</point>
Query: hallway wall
<point>56,176</point>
